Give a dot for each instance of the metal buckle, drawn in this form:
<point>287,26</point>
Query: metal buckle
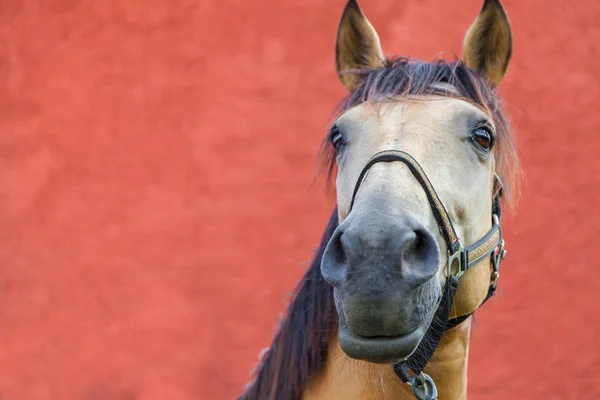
<point>499,255</point>
<point>461,256</point>
<point>495,219</point>
<point>495,277</point>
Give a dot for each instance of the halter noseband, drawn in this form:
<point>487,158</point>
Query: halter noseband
<point>460,259</point>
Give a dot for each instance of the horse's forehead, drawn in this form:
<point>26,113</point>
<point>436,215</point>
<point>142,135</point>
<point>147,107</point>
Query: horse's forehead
<point>424,110</point>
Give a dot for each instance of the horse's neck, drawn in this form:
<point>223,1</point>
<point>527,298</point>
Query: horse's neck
<point>348,379</point>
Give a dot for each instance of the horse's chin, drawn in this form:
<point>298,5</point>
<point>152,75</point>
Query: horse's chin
<point>380,349</point>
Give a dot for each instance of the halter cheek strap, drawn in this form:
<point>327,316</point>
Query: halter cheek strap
<point>460,259</point>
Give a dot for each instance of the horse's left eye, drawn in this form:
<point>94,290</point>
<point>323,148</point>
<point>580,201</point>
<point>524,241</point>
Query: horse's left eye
<point>483,136</point>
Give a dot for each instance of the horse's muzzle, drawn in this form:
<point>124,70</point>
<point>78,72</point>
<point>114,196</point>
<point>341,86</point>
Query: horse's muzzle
<point>384,273</point>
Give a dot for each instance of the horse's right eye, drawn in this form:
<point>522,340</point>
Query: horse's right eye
<point>336,138</point>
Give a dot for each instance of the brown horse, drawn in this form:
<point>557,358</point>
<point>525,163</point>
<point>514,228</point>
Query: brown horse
<point>423,154</point>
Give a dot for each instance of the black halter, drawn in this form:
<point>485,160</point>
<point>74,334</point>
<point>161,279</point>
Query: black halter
<point>460,259</point>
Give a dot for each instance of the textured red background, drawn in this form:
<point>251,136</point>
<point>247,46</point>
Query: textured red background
<point>157,202</point>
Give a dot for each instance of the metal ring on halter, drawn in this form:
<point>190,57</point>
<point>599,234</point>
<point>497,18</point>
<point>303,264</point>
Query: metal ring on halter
<point>423,387</point>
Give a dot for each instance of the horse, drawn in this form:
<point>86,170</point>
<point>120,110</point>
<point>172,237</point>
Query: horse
<point>423,159</point>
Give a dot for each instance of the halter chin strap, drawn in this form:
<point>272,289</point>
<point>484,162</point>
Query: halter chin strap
<point>460,259</point>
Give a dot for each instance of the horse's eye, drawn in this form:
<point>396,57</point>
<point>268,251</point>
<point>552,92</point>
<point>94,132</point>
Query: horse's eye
<point>483,136</point>
<point>336,138</point>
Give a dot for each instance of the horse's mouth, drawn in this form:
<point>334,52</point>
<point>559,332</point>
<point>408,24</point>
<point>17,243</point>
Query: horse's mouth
<point>380,349</point>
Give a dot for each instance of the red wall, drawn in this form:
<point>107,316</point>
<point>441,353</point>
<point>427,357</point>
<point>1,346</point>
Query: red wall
<point>157,200</point>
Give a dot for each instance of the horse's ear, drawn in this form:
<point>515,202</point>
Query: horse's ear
<point>488,44</point>
<point>357,46</point>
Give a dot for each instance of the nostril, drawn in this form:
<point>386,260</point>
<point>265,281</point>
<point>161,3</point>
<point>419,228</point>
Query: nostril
<point>421,249</point>
<point>333,263</point>
<point>343,244</point>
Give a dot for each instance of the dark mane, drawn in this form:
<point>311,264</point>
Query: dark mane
<point>299,349</point>
<point>410,77</point>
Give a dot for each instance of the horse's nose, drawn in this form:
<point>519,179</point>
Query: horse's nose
<point>388,249</point>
